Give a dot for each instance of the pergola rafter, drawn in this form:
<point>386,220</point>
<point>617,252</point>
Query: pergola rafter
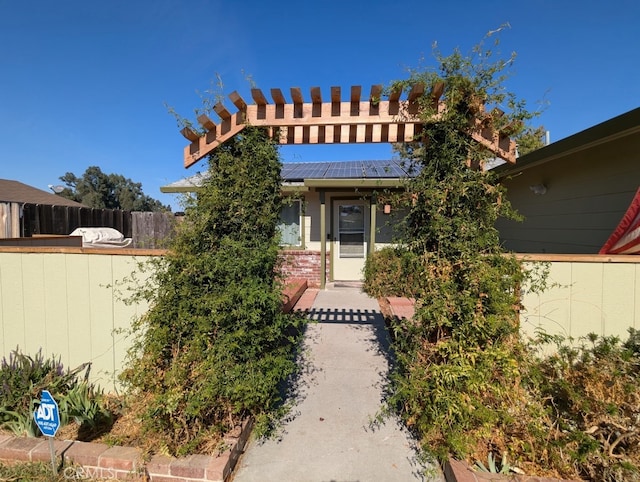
<point>331,122</point>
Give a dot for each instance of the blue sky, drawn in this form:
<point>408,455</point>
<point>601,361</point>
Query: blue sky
<point>87,83</point>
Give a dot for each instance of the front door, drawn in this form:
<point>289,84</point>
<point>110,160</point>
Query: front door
<point>350,236</point>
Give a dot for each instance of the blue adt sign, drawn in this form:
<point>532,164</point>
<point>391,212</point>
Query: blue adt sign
<point>47,416</point>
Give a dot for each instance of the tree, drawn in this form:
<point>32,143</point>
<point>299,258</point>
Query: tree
<point>96,189</point>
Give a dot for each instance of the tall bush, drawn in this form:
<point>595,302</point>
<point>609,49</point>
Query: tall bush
<point>465,381</point>
<point>215,345</point>
<point>457,378</point>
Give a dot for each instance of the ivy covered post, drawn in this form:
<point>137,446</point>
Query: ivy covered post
<point>457,378</point>
<point>215,346</point>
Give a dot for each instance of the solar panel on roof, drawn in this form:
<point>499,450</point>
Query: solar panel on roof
<point>346,170</point>
<point>296,171</point>
<point>382,169</point>
<point>303,170</point>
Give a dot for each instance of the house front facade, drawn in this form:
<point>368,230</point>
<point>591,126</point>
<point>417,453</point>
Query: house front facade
<point>336,220</point>
<point>332,218</point>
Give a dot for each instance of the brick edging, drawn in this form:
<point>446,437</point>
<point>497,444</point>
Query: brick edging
<point>294,288</point>
<point>102,461</point>
<point>458,471</point>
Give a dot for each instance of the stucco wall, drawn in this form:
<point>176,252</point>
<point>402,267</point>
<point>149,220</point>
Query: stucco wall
<point>585,294</point>
<point>71,305</point>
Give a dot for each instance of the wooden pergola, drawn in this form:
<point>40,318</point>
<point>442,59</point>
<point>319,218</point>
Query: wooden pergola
<point>336,121</point>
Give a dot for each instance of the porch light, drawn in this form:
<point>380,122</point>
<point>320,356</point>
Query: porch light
<point>538,189</point>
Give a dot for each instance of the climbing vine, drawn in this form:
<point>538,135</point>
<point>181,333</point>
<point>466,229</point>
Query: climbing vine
<point>457,381</point>
<point>214,346</point>
<point>465,381</point>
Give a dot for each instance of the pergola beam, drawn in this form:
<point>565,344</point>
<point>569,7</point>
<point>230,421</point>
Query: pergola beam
<point>238,101</point>
<point>316,95</point>
<point>296,95</point>
<point>258,97</point>
<point>206,122</point>
<point>222,111</point>
<point>355,121</point>
<point>278,97</point>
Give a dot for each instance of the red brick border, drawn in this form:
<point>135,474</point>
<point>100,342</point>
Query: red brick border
<point>457,471</point>
<point>124,463</point>
<point>294,288</point>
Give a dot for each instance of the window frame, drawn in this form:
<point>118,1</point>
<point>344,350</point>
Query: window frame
<point>300,244</point>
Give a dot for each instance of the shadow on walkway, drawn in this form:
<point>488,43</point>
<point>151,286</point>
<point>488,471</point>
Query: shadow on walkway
<point>333,431</point>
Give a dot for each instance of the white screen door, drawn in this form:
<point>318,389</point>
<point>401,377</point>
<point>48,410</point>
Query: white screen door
<point>350,231</point>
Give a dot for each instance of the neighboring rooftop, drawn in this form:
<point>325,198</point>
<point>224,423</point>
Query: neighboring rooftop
<point>613,129</point>
<point>17,192</point>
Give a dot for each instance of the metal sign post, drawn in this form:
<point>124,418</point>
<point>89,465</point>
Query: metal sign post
<point>47,418</point>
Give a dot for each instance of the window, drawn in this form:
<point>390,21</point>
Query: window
<point>289,224</point>
<point>351,231</point>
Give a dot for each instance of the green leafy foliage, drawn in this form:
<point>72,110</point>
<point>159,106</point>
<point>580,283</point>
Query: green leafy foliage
<point>22,379</point>
<point>465,381</point>
<point>215,345</point>
<point>391,271</point>
<point>85,405</point>
<point>458,361</point>
<point>493,467</point>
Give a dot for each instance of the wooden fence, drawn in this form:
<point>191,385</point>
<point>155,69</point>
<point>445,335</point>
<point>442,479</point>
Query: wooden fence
<point>46,219</point>
<point>147,229</point>
<point>9,220</point>
<point>152,230</point>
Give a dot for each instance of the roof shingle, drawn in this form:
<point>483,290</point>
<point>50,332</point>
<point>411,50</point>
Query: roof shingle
<point>15,191</point>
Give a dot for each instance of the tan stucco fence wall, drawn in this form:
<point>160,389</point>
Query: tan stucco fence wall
<point>71,302</point>
<point>585,294</point>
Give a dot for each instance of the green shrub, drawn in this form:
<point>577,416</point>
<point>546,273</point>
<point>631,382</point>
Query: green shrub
<point>457,380</point>
<point>22,377</point>
<point>215,346</point>
<point>464,380</point>
<point>391,271</point>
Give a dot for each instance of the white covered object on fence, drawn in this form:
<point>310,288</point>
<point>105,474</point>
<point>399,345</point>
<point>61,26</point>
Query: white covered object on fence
<point>101,238</point>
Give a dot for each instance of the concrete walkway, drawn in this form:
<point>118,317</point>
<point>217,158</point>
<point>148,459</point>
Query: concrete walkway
<point>330,433</point>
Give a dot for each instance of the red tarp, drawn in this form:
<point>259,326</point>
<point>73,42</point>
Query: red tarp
<point>626,237</point>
